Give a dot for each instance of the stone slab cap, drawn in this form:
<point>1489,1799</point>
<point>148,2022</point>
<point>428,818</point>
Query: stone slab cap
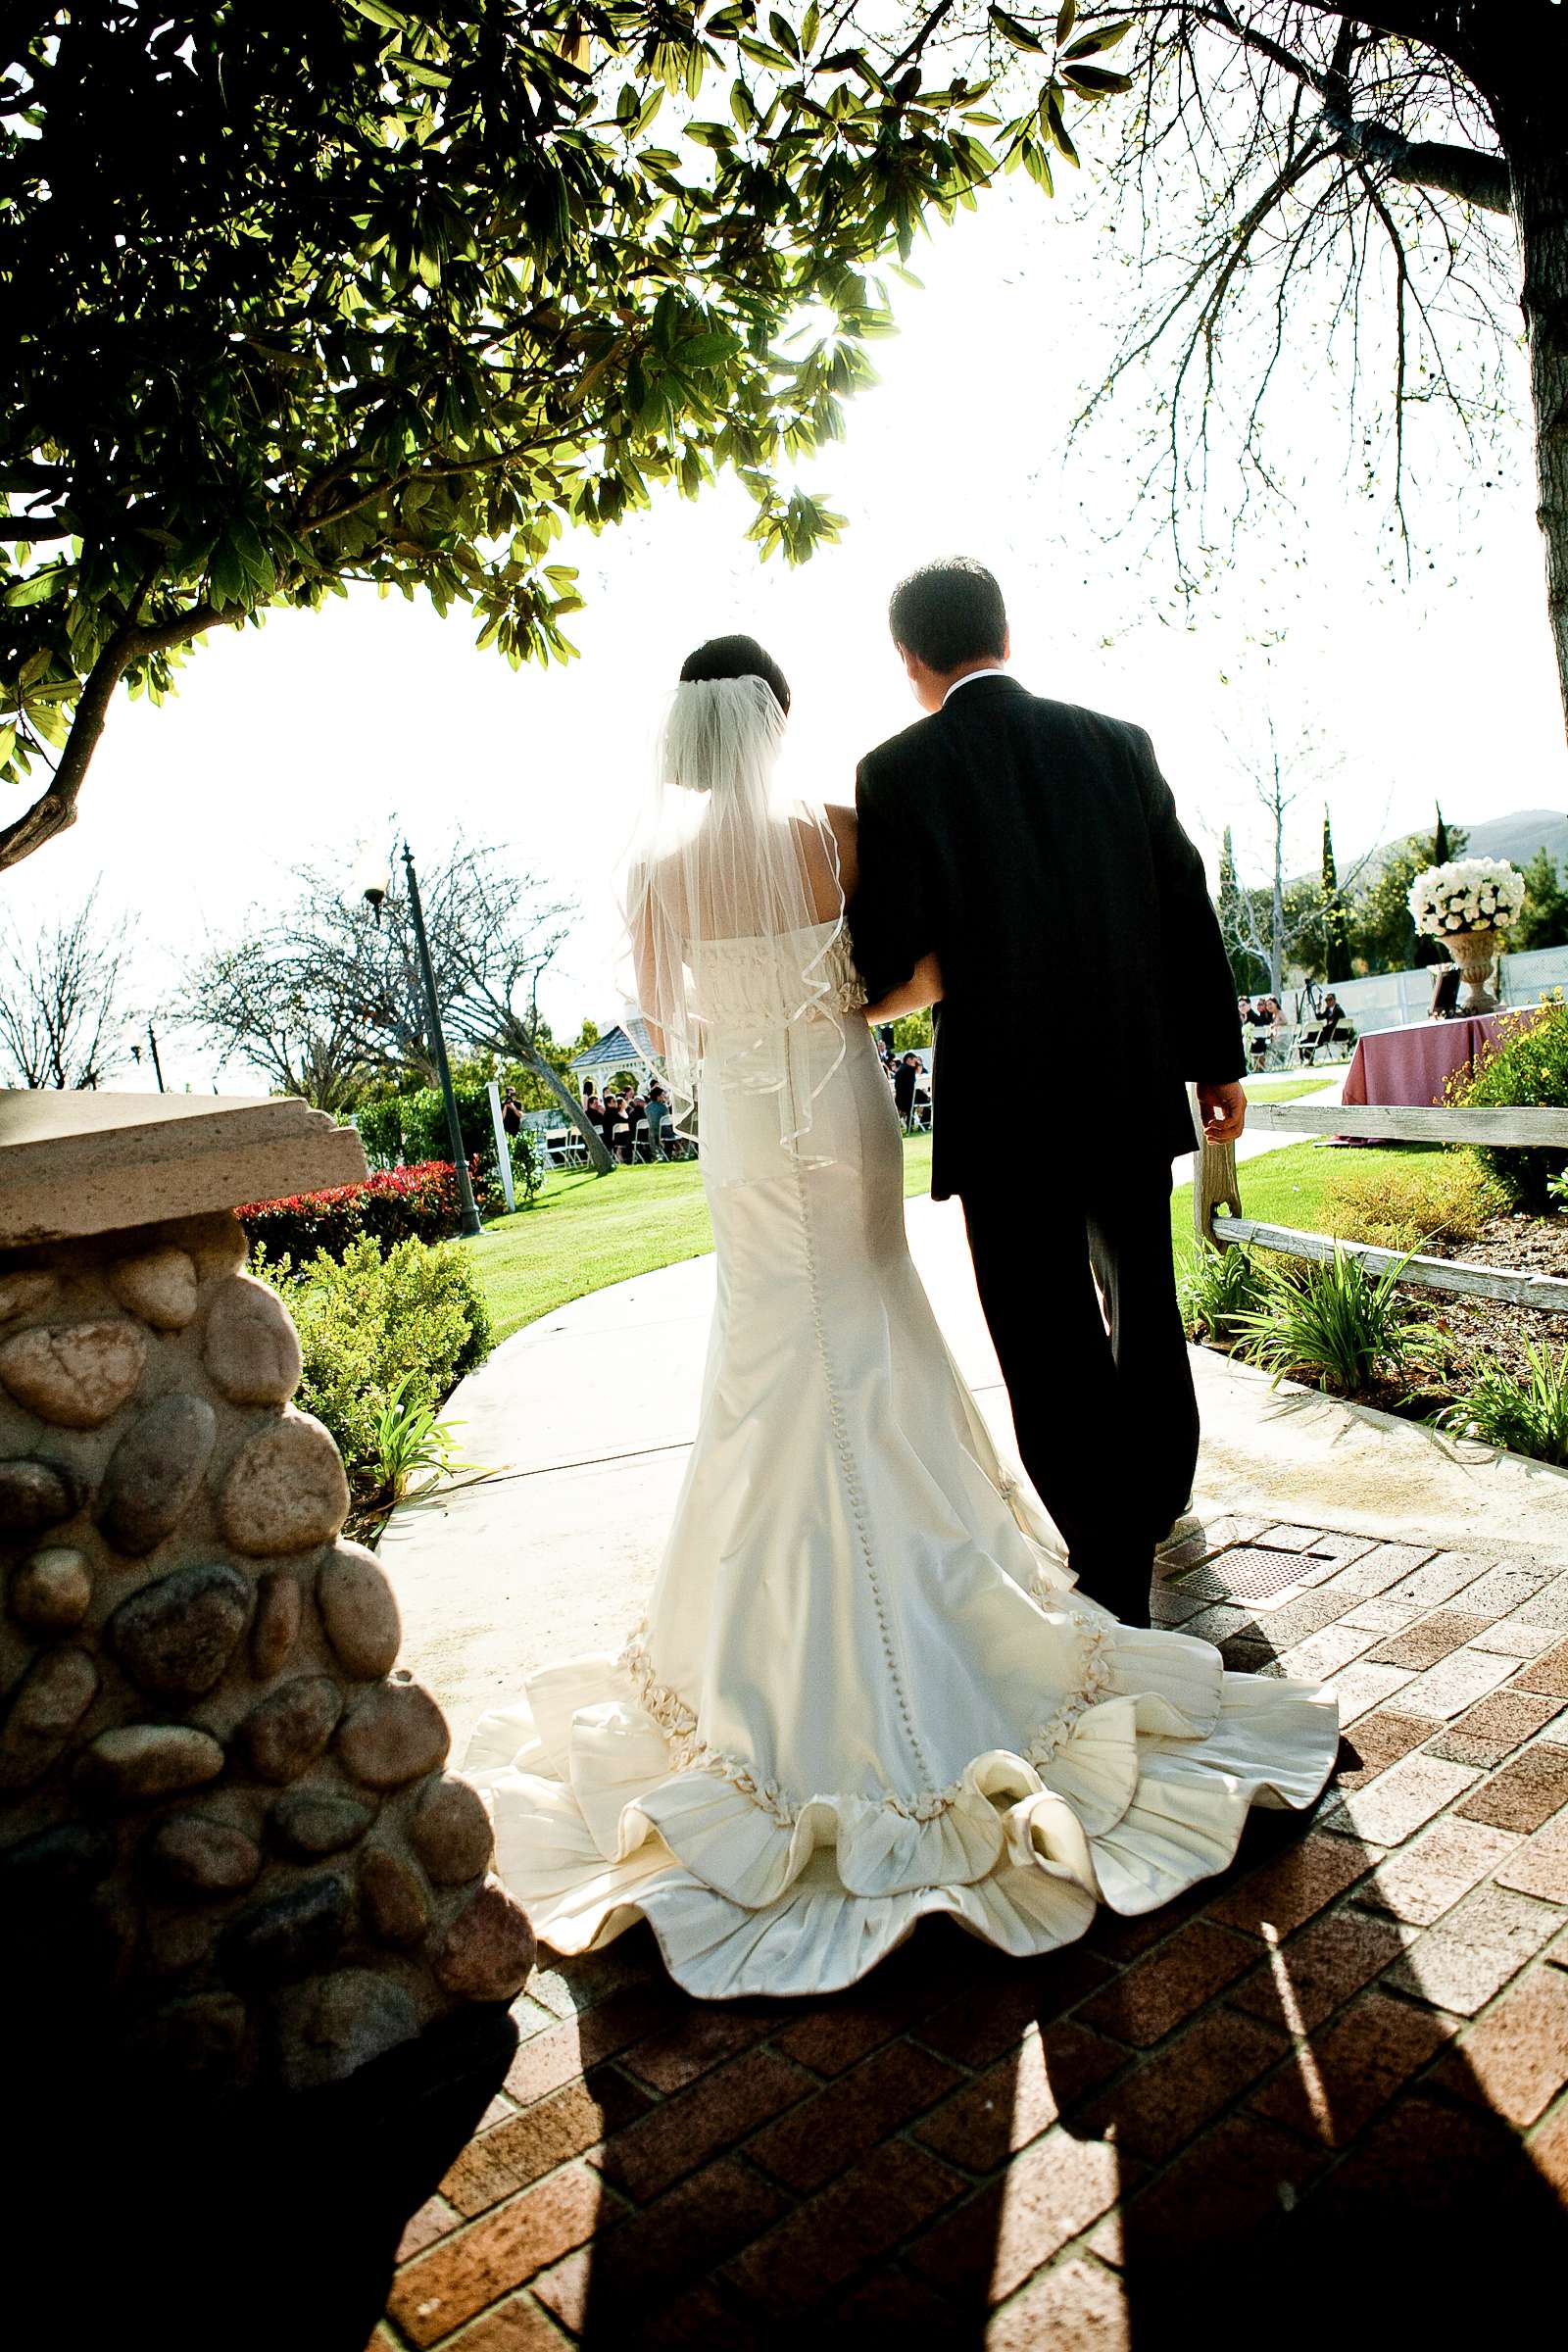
<point>74,1163</point>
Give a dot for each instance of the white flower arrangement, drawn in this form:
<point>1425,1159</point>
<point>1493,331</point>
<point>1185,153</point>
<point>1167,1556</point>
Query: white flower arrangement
<point>1468,894</point>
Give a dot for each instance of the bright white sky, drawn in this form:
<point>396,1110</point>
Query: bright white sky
<point>297,741</point>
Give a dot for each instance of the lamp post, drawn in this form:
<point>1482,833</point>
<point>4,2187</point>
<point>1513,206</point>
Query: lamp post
<point>374,889</point>
<point>157,1068</point>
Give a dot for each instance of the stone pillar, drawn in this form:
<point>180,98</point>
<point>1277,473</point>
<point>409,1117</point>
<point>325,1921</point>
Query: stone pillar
<point>226,1819</point>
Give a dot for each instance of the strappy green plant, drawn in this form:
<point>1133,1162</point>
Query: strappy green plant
<point>1527,1416</point>
<point>412,1446</point>
<point>1331,1323</point>
<point>1217,1289</point>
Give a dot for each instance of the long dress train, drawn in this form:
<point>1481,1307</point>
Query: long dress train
<point>865,1688</point>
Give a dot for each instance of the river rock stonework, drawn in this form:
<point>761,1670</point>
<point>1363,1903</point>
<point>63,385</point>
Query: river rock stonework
<point>221,1809</point>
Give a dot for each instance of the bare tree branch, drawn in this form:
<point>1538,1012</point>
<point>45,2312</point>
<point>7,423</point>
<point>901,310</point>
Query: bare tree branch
<point>1285,166</point>
<point>61,994</point>
<point>331,996</point>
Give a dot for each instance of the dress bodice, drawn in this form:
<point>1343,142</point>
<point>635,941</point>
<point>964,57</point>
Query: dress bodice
<point>768,982</point>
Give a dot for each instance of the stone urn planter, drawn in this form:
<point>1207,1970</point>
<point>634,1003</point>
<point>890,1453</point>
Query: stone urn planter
<point>1475,953</point>
<point>227,1832</point>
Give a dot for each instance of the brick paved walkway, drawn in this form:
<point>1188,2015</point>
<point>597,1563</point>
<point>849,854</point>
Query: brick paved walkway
<point>1338,2071</point>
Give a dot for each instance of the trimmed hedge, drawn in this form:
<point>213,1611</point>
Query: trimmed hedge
<point>397,1204</point>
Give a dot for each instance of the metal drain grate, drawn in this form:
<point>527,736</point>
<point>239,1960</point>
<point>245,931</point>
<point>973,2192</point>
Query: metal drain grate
<point>1251,1573</point>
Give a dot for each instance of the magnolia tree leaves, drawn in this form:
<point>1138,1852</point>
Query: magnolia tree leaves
<point>403,296</point>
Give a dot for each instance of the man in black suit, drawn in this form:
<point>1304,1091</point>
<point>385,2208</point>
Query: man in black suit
<point>1012,840</point>
<point>906,1078</point>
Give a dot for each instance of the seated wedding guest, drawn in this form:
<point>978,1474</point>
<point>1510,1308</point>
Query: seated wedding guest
<point>1258,1023</point>
<point>906,1078</point>
<point>657,1112</point>
<point>1444,993</point>
<point>607,1118</point>
<point>633,1109</point>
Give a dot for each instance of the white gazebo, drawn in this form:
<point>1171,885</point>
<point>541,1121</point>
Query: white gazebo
<point>627,1047</point>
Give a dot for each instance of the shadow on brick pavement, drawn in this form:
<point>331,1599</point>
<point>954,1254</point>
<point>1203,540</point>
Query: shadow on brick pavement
<point>1126,2171</point>
<point>1322,2096</point>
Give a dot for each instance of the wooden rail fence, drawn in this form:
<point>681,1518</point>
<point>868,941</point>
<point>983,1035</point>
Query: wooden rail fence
<point>1216,1190</point>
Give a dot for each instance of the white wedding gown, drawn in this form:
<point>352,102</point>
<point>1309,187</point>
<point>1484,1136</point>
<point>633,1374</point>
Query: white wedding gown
<point>865,1690</point>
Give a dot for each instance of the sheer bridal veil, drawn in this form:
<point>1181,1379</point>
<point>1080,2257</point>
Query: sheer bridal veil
<point>724,883</point>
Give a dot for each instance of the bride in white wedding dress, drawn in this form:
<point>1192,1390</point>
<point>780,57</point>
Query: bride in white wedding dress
<point>865,1688</point>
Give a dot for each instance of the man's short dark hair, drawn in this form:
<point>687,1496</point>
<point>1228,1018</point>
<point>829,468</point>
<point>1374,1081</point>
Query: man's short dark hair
<point>949,613</point>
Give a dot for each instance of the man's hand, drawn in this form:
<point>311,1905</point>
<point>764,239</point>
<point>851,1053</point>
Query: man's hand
<point>1223,1110</point>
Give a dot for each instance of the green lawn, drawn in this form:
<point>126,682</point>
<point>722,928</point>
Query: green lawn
<point>586,1232</point>
<point>1286,1188</point>
<point>1285,1090</point>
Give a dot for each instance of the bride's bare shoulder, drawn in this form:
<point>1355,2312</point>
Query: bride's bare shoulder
<point>832,876</point>
<point>845,828</point>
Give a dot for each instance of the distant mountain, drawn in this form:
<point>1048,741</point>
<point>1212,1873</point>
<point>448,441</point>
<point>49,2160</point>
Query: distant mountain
<point>1517,837</point>
<point>1521,835</point>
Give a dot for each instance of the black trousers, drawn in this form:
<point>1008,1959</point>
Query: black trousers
<point>1107,1419</point>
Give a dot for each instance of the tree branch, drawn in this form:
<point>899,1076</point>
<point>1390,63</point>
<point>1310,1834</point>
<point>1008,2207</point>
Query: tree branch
<point>1462,171</point>
<point>55,811</point>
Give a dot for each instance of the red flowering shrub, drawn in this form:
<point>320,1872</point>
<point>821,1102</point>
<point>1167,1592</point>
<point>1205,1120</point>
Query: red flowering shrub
<point>400,1204</point>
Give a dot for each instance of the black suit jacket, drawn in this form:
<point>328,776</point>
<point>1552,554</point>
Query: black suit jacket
<point>1036,848</point>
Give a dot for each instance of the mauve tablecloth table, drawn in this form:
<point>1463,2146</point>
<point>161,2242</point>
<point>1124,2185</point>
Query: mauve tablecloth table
<point>1413,1066</point>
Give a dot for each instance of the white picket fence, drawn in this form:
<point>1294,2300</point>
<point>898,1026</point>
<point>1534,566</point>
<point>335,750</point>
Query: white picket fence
<point>1393,1000</point>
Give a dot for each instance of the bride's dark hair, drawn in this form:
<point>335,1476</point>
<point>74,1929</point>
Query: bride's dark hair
<point>736,657</point>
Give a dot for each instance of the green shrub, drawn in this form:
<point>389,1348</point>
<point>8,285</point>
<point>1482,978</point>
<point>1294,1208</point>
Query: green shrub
<point>380,1332</point>
<point>1528,1066</point>
<point>1528,1417</point>
<point>410,1129</point>
<point>425,1123</point>
<point>380,1131</point>
<point>1408,1200</point>
<point>1342,1329</point>
<point>1218,1288</point>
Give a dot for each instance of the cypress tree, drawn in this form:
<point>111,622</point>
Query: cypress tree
<point>1336,928</point>
<point>1228,906</point>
